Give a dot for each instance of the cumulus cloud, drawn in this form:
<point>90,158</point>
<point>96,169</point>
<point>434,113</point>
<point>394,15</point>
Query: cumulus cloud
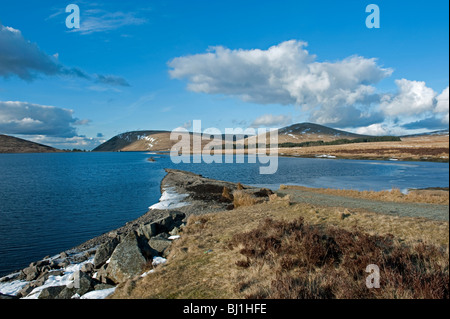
<point>24,59</point>
<point>413,98</point>
<point>284,74</point>
<point>442,105</point>
<point>33,119</point>
<point>340,93</point>
<point>269,120</point>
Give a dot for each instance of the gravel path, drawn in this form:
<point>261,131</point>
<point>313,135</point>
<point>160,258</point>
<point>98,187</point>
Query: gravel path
<point>431,211</point>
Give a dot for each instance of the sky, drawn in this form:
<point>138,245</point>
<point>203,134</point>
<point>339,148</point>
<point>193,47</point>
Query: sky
<point>161,64</point>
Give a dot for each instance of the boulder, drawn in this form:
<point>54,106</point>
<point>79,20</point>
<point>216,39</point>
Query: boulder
<point>30,273</point>
<point>87,268</point>
<point>51,292</point>
<point>82,284</point>
<point>25,291</point>
<point>129,258</point>
<point>159,244</point>
<point>147,230</point>
<point>104,252</point>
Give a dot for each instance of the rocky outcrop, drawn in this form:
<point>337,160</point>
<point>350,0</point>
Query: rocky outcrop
<point>104,252</point>
<point>129,258</point>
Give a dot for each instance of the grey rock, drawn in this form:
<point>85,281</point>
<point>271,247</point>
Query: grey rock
<point>67,293</point>
<point>51,292</point>
<point>87,268</point>
<point>103,286</point>
<point>25,291</point>
<point>104,252</point>
<point>42,263</point>
<point>159,244</point>
<point>82,284</point>
<point>147,230</point>
<point>30,273</point>
<point>129,258</point>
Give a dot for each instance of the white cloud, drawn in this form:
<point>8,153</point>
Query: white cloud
<point>269,120</point>
<point>374,129</point>
<point>284,74</point>
<point>33,119</point>
<point>77,142</point>
<point>97,20</point>
<point>413,98</point>
<point>442,105</point>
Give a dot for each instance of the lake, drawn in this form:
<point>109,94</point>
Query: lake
<point>52,202</point>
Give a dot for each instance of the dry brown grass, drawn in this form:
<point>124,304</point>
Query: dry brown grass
<point>242,198</point>
<point>440,197</point>
<point>412,148</point>
<point>201,265</point>
<point>314,262</point>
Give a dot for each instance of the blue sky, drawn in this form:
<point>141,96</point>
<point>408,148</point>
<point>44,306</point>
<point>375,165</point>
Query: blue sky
<point>144,65</point>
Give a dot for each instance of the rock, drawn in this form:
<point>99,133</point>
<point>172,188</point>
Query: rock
<point>51,292</point>
<point>63,255</point>
<point>175,231</point>
<point>87,268</point>
<point>104,252</point>
<point>165,224</point>
<point>42,263</point>
<point>129,258</point>
<point>147,230</point>
<point>25,291</point>
<point>63,264</point>
<point>159,244</point>
<point>102,275</point>
<point>103,286</point>
<point>67,293</point>
<point>168,223</point>
<point>30,273</point>
<point>82,284</point>
<point>263,192</point>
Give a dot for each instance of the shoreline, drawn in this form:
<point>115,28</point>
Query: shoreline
<point>199,196</point>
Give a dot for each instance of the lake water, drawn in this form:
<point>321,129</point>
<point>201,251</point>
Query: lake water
<point>52,202</point>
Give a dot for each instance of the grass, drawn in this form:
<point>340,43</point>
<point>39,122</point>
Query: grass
<point>201,264</point>
<point>440,197</point>
<point>313,262</point>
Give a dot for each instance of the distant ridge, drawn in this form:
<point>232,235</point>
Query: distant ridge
<point>434,133</point>
<point>123,140</point>
<point>160,140</point>
<point>10,144</point>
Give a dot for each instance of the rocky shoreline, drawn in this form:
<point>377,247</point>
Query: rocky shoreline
<point>93,269</point>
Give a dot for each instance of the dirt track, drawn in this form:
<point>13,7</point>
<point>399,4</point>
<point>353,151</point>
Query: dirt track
<point>431,211</point>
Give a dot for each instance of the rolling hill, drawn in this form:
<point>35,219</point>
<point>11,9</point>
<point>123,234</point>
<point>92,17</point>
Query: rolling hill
<point>10,144</point>
<point>160,140</point>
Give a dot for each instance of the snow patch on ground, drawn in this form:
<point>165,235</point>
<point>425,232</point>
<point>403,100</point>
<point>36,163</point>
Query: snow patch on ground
<point>170,199</point>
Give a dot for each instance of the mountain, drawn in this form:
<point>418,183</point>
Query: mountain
<point>160,140</point>
<point>304,132</point>
<point>123,142</point>
<point>10,144</point>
